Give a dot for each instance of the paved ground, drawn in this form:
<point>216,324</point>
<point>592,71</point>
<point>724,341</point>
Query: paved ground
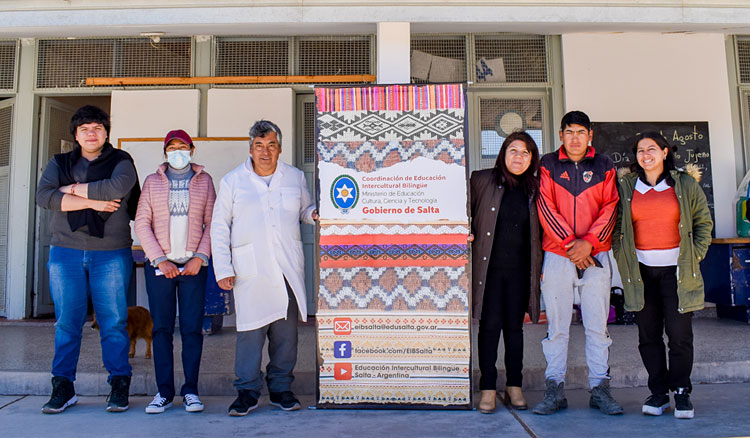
<point>721,411</point>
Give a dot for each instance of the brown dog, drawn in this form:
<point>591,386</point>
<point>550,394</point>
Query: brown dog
<point>139,326</point>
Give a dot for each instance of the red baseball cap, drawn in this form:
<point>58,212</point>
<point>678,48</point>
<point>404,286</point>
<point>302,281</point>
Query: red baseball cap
<point>178,134</point>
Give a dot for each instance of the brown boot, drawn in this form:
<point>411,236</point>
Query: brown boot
<point>514,398</point>
<point>487,402</point>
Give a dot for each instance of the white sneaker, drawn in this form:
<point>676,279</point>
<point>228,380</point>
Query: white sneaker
<point>158,405</point>
<point>192,403</point>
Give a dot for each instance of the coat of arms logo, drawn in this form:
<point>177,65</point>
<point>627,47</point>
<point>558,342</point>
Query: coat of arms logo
<point>344,193</point>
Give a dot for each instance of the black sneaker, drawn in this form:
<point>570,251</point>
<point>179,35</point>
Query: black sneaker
<point>192,403</point>
<point>243,404</point>
<point>682,407</point>
<point>655,404</point>
<point>285,400</point>
<point>117,400</point>
<point>158,405</point>
<point>63,396</point>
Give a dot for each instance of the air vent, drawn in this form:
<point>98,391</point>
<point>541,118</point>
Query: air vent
<point>67,63</point>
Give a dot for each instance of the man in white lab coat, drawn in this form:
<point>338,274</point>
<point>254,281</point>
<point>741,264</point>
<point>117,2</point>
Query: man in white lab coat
<point>257,250</point>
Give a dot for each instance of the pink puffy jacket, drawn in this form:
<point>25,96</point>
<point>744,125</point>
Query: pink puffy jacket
<point>152,217</point>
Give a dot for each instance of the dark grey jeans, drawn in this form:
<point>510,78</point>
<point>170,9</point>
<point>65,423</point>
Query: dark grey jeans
<point>282,350</point>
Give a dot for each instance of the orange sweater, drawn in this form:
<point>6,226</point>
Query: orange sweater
<point>656,219</point>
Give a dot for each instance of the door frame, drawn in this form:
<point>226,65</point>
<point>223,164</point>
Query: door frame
<point>309,233</point>
<point>41,299</point>
<point>9,102</point>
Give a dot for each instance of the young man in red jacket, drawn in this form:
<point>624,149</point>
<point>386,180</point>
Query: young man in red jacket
<point>577,209</point>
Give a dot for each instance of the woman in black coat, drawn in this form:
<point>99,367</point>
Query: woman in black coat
<point>506,262</point>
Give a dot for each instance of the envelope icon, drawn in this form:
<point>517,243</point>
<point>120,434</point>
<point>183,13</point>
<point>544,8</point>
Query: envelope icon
<point>342,326</point>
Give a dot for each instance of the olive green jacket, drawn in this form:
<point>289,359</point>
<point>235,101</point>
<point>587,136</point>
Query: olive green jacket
<point>695,237</point>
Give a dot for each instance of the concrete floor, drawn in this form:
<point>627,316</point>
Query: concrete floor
<point>721,411</point>
<point>722,355</point>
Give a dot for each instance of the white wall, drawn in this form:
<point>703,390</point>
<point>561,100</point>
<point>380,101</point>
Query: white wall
<point>231,113</point>
<point>153,113</point>
<point>658,77</point>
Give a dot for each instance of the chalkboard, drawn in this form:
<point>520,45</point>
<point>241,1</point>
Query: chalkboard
<point>689,141</point>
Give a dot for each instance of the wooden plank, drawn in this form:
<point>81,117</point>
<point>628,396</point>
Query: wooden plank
<point>731,240</point>
<point>231,80</point>
<point>160,139</point>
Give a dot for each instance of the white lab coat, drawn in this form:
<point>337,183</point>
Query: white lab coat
<point>255,237</point>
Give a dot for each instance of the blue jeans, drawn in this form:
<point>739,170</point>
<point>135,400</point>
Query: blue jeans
<point>164,295</point>
<point>75,274</point>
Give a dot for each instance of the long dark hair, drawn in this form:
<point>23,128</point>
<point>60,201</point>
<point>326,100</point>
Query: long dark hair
<point>668,160</point>
<point>527,180</point>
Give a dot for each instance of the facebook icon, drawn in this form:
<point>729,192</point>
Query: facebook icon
<point>342,349</point>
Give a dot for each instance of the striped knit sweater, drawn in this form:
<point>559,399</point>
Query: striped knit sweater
<point>152,217</point>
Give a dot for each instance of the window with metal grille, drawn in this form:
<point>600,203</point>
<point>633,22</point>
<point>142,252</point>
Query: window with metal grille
<point>6,124</point>
<point>515,58</point>
<point>252,57</point>
<point>309,134</point>
<point>301,55</point>
<point>7,64</point>
<point>67,63</point>
<point>334,55</point>
<point>438,58</point>
<point>743,58</point>
<point>500,117</point>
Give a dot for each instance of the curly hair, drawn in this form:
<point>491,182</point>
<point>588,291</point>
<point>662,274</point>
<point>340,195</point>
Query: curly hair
<point>89,114</point>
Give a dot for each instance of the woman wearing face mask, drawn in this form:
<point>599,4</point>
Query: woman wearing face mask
<point>173,224</point>
<point>506,261</point>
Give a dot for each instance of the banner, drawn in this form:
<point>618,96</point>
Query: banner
<point>393,323</point>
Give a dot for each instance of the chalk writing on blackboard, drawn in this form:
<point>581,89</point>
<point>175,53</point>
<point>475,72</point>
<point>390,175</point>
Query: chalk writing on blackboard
<point>690,143</point>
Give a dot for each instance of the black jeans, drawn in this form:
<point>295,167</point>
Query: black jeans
<point>506,298</point>
<point>659,314</point>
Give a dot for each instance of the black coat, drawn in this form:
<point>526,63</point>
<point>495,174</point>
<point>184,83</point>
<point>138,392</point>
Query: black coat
<point>486,196</point>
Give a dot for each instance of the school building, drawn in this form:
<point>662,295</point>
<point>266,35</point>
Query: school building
<point>525,64</point>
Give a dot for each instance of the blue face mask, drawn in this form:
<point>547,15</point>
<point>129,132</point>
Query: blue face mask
<point>178,159</point>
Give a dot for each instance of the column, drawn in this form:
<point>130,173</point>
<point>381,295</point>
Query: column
<point>394,49</point>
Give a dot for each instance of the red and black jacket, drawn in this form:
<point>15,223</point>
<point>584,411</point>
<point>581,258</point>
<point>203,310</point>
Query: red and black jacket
<point>577,201</point>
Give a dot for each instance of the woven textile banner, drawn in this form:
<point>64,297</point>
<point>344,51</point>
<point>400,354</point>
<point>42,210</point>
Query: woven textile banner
<point>393,289</point>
